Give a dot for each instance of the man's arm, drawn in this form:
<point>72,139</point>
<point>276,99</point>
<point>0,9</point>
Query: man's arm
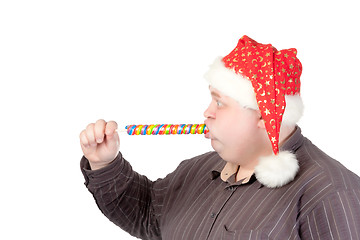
<point>124,197</point>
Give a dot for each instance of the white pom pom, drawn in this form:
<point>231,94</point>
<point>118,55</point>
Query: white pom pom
<point>277,170</point>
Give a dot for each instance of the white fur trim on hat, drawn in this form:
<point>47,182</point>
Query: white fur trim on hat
<point>231,84</point>
<point>294,109</point>
<point>277,170</point>
<point>240,88</point>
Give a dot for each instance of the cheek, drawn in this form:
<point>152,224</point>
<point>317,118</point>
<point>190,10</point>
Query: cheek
<point>240,130</point>
<point>234,135</point>
<point>230,130</point>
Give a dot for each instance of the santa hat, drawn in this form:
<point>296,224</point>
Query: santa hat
<point>260,77</point>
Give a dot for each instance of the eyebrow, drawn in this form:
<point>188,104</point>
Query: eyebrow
<point>214,94</point>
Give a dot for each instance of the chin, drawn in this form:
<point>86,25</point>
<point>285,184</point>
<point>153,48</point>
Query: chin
<point>216,145</point>
<point>222,150</point>
<point>219,149</point>
<point>226,154</point>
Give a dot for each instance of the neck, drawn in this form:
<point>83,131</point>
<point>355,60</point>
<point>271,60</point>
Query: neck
<point>285,133</point>
<point>245,171</point>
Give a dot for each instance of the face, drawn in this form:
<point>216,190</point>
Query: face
<point>236,133</point>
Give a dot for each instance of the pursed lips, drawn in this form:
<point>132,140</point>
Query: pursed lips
<point>207,135</point>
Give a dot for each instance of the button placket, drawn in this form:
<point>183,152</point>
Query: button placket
<point>219,205</point>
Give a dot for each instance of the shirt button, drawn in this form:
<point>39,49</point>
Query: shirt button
<point>212,215</point>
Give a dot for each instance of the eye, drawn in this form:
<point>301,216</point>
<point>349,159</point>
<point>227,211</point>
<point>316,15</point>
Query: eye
<point>219,104</point>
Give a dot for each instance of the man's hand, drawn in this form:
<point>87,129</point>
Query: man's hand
<point>100,143</point>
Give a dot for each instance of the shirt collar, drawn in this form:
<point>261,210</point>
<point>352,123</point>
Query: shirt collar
<point>216,171</point>
<point>224,169</point>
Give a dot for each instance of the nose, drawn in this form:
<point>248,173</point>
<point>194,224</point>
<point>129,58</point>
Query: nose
<point>210,111</point>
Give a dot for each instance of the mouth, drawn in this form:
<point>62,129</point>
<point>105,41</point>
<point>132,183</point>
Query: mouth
<point>207,135</point>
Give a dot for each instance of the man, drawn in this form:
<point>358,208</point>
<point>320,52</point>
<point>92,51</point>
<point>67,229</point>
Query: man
<point>264,180</point>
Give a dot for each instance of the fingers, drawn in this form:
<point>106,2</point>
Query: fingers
<point>100,142</point>
<point>95,132</point>
<point>83,139</point>
<point>99,130</point>
<point>110,129</point>
<point>90,134</point>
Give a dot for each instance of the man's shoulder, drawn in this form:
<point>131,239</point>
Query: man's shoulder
<point>318,166</point>
<point>320,178</point>
<point>206,160</point>
<point>195,169</point>
<point>211,156</point>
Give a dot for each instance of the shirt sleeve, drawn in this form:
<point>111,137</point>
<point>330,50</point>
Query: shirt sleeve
<point>125,197</point>
<point>336,217</point>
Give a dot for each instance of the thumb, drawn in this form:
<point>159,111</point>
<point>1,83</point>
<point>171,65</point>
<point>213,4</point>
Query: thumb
<point>112,140</point>
<point>112,137</point>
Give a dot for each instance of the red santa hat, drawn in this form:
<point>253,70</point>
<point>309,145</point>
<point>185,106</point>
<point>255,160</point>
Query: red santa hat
<point>260,77</point>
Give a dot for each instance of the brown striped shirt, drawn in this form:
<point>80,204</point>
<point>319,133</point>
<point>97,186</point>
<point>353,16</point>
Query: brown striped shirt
<point>193,202</point>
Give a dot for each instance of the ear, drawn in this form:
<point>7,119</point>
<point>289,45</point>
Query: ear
<point>261,123</point>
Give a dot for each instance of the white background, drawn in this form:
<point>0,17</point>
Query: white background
<point>64,64</point>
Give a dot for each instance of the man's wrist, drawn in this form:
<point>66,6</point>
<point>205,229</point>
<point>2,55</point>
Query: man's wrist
<point>98,166</point>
